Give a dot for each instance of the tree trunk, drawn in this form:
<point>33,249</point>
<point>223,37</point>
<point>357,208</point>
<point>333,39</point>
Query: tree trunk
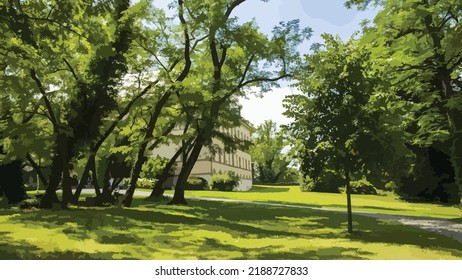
<point>50,196</point>
<point>158,188</point>
<point>106,195</point>
<point>37,169</point>
<point>141,158</point>
<point>178,196</point>
<point>348,193</point>
<point>456,149</point>
<point>66,183</point>
<point>83,179</point>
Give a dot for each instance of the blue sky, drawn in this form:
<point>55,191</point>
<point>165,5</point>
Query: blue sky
<point>323,16</point>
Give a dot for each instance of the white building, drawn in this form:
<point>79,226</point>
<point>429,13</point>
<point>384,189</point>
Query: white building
<point>208,164</point>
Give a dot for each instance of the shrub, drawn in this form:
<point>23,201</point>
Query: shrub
<point>224,182</point>
<point>29,203</point>
<point>431,179</point>
<point>144,183</point>
<point>196,183</point>
<point>362,187</point>
<point>328,181</point>
<point>11,183</point>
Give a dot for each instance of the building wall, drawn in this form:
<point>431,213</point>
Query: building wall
<point>207,164</point>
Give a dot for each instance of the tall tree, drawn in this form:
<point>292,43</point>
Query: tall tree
<point>416,46</point>
<point>74,55</point>
<point>235,57</point>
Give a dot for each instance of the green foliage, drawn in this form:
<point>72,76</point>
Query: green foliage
<point>227,181</point>
<point>270,164</point>
<point>153,167</point>
<point>415,46</point>
<point>145,183</point>
<point>337,119</point>
<point>196,183</point>
<point>29,203</point>
<point>362,186</point>
<point>328,181</point>
<point>430,179</point>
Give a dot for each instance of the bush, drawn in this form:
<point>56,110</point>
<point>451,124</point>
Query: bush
<point>224,182</point>
<point>144,183</point>
<point>29,203</point>
<point>362,187</point>
<point>11,183</point>
<point>196,183</point>
<point>431,179</point>
<point>329,181</point>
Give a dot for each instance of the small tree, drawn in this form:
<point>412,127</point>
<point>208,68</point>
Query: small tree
<point>336,123</point>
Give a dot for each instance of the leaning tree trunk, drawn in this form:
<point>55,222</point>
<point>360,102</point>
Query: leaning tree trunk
<point>141,158</point>
<point>83,178</point>
<point>178,196</point>
<point>158,189</point>
<point>50,197</point>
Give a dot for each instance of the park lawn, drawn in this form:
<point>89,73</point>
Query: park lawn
<point>210,230</point>
<point>386,204</point>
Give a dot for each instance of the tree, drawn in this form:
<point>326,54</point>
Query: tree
<point>336,124</point>
<point>75,57</point>
<point>235,56</point>
<point>416,47</point>
<point>266,151</point>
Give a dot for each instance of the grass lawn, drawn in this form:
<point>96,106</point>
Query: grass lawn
<point>211,230</point>
<point>387,204</point>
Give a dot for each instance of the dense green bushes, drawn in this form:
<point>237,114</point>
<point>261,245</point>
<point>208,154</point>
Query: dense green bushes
<point>145,183</point>
<point>328,181</point>
<point>362,186</point>
<point>196,183</point>
<point>331,182</point>
<point>11,183</point>
<point>224,182</point>
<point>431,178</point>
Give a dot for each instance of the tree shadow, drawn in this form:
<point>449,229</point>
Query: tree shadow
<point>156,227</point>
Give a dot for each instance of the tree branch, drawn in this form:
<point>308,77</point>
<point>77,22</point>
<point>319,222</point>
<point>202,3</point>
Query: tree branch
<point>71,69</point>
<point>45,98</point>
<point>232,7</point>
<point>165,133</point>
<point>122,115</point>
<point>37,169</point>
<point>246,70</point>
<point>187,44</point>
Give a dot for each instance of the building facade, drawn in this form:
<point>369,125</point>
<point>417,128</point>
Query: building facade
<point>208,163</point>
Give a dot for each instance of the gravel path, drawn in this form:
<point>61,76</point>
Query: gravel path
<point>436,225</point>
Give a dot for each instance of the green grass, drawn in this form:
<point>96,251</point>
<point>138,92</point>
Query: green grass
<point>387,204</point>
<point>210,230</point>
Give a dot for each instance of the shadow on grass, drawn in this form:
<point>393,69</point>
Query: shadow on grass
<point>363,208</point>
<point>209,230</point>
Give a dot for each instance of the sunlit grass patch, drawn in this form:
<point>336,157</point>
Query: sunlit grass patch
<point>390,204</point>
<point>211,230</point>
